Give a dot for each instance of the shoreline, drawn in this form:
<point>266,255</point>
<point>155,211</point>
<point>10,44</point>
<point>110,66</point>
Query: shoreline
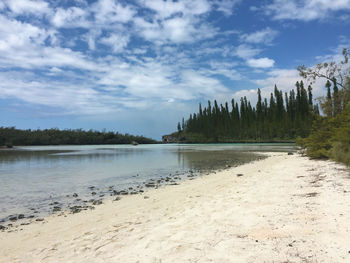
<point>94,195</point>
<point>279,209</point>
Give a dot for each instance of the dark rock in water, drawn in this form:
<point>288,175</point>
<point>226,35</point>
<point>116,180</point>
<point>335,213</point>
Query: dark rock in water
<point>2,227</point>
<point>117,198</point>
<point>20,216</point>
<point>56,209</point>
<point>75,195</point>
<point>150,185</point>
<point>97,202</point>
<point>174,184</point>
<point>123,192</point>
<point>93,193</point>
<point>31,216</point>
<point>238,175</point>
<point>75,209</point>
<point>78,199</point>
<point>130,188</point>
<point>91,187</point>
<point>290,153</point>
<point>13,218</point>
<point>141,191</point>
<point>101,195</point>
<point>39,219</point>
<point>133,193</point>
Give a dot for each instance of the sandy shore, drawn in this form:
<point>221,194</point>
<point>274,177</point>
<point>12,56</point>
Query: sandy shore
<point>285,208</point>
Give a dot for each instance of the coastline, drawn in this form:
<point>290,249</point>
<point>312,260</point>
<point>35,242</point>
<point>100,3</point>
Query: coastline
<point>285,208</point>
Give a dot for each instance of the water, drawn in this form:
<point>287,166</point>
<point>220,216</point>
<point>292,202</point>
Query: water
<point>33,178</point>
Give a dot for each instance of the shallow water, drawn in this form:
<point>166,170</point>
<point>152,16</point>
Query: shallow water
<point>32,178</point>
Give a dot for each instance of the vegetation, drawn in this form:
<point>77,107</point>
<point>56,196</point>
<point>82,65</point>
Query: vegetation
<point>11,136</point>
<point>330,135</point>
<point>282,119</point>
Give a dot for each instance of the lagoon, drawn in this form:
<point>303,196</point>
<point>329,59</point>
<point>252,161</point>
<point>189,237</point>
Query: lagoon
<point>33,178</point>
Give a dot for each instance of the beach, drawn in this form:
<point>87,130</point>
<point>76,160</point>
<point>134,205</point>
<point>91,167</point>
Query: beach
<point>285,208</point>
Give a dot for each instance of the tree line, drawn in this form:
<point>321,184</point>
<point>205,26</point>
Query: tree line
<point>282,117</point>
<point>330,134</point>
<point>10,136</point>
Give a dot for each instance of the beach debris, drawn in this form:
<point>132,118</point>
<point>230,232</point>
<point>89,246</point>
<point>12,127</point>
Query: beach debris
<point>238,175</point>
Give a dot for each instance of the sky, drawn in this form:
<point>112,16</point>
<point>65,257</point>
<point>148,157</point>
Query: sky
<point>139,66</point>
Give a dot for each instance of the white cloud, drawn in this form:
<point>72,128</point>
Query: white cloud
<point>116,41</point>
<point>226,6</point>
<point>265,36</point>
<point>304,10</point>
<point>246,51</point>
<point>260,62</point>
<point>19,7</point>
<point>71,17</point>
<point>108,11</point>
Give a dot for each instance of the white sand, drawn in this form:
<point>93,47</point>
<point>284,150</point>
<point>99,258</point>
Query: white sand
<point>283,209</point>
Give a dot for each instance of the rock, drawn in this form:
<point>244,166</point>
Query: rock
<point>31,216</point>
<point>13,218</point>
<point>75,209</point>
<point>133,193</point>
<point>56,209</point>
<point>97,202</point>
<point>141,191</point>
<point>145,197</point>
<point>123,192</point>
<point>39,219</point>
<point>238,175</point>
<point>150,185</point>
<point>101,195</point>
<point>75,195</point>
<point>93,193</point>
<point>290,153</point>
<point>117,198</point>
<point>20,216</point>
<point>2,227</point>
<point>91,187</point>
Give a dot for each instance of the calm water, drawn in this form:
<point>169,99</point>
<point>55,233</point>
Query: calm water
<point>32,178</point>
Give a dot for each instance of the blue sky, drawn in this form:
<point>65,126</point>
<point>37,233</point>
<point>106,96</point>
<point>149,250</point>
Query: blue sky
<point>140,66</point>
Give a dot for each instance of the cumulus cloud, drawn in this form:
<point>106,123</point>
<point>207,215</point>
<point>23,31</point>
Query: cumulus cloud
<point>304,10</point>
<point>25,7</point>
<point>260,62</point>
<point>264,36</point>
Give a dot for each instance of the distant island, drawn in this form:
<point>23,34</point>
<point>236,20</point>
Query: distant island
<point>10,136</point>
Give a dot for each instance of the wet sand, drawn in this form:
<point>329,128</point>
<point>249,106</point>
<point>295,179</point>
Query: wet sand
<point>285,208</point>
